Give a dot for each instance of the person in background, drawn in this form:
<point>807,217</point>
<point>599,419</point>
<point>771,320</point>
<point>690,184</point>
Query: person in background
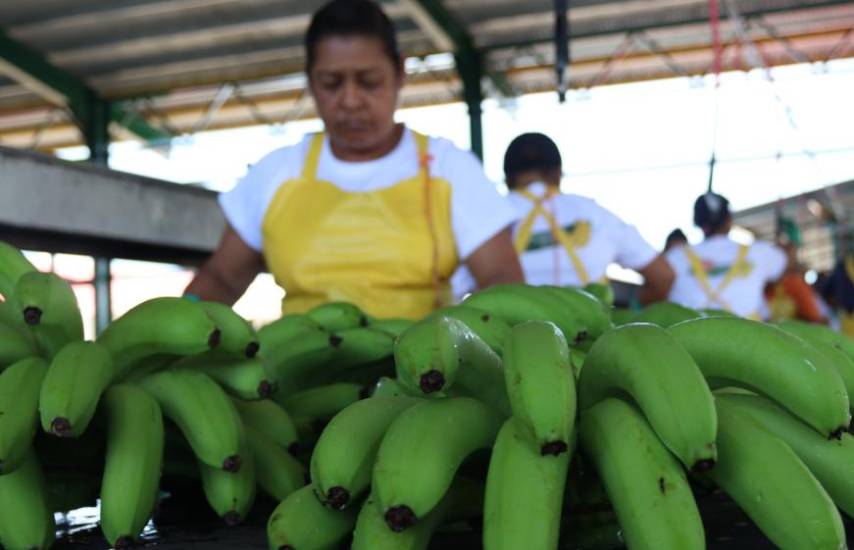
<point>566,239</point>
<point>720,273</point>
<point>675,238</point>
<point>367,211</point>
<point>839,289</point>
<point>791,297</point>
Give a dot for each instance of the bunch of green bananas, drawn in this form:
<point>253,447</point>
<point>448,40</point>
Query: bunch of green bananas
<point>526,417</point>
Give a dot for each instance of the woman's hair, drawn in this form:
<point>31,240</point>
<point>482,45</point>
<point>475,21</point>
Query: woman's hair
<point>529,152</point>
<point>711,212</point>
<point>348,18</point>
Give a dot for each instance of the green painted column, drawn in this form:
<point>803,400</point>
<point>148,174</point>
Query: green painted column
<point>470,70</point>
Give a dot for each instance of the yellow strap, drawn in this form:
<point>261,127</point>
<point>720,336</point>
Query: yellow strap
<point>849,268</point>
<point>422,144</point>
<point>701,275</point>
<point>523,238</point>
<point>309,166</point>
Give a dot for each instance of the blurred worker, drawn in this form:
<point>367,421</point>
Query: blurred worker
<point>791,297</point>
<point>367,211</point>
<point>566,239</point>
<point>840,290</point>
<point>720,273</point>
<point>675,238</point>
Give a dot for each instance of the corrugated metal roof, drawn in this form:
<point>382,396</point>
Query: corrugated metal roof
<point>176,54</point>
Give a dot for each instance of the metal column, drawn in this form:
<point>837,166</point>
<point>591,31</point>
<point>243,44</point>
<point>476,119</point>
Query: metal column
<point>470,69</point>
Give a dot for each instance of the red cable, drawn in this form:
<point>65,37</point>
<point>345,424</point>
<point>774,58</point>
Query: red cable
<point>715,23</point>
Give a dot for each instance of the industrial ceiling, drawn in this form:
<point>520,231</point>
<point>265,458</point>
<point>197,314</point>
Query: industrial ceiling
<point>169,67</point>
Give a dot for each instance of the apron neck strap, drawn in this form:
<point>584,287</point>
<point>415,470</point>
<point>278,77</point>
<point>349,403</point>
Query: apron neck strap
<point>309,166</point>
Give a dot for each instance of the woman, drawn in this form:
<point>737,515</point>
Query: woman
<point>566,239</point>
<point>369,211</point>
<point>720,273</point>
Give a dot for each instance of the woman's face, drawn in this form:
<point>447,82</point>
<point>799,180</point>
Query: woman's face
<point>355,87</point>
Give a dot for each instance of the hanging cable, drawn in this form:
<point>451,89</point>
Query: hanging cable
<point>714,24</point>
<point>562,47</point>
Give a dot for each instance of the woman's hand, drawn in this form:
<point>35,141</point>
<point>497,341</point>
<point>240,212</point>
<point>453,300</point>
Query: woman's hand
<point>496,262</point>
<point>231,268</point>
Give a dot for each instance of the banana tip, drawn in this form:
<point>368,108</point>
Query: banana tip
<point>124,542</point>
<point>60,427</point>
<point>363,321</point>
<point>252,349</point>
<point>231,464</point>
<point>553,448</point>
<point>294,449</point>
<point>231,518</point>
<point>432,381</point>
<point>703,465</point>
<point>266,389</point>
<point>399,518</point>
<point>214,338</point>
<point>837,433</point>
<point>337,498</point>
<point>335,340</point>
<point>32,315</point>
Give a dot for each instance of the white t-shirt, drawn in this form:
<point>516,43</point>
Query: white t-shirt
<point>744,294</point>
<point>478,211</point>
<point>547,263</point>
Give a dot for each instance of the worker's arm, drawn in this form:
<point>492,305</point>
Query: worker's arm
<point>658,278</point>
<point>496,261</point>
<point>231,268</point>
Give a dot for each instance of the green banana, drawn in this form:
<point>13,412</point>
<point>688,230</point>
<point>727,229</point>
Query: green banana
<point>492,330</point>
<point>387,387</point>
<point>322,402</point>
<point>666,314</point>
<point>72,387</point>
<point>712,312</point>
<point>16,340</point>
<point>521,477</point>
<point>229,494</point>
<point>291,365</point>
<point>772,485</point>
<point>644,361</point>
<point>19,410</point>
<point>203,412</point>
<point>132,468</point>
<point>13,264</point>
<point>355,348</point>
<point>622,316</point>
<point>281,331</point>
<point>576,360</point>
<point>50,309</point>
<point>159,327</point>
<point>603,292</point>
<point>237,337</point>
<point>343,458</point>
<point>271,420</point>
<point>645,484</point>
<point>421,452</point>
<point>829,460</point>
<point>432,355</point>
<point>517,303</point>
<point>392,325</point>
<point>243,378</point>
<point>301,522</point>
<point>335,316</point>
<point>26,520</point>
<point>278,473</point>
<point>843,364</point>
<point>541,384</point>
<point>372,532</point>
<point>812,332</point>
<point>767,360</point>
<point>594,314</point>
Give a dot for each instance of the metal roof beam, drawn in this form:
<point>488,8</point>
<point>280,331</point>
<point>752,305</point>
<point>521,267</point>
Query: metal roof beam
<point>34,72</point>
<point>448,33</point>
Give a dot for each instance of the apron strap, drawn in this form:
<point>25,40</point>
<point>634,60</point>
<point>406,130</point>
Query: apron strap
<point>714,295</point>
<point>523,238</point>
<point>422,144</point>
<point>309,165</point>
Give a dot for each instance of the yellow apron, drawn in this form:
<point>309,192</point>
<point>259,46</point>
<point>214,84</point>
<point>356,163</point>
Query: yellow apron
<point>846,319</point>
<point>782,306</point>
<point>714,295</point>
<point>390,251</point>
<point>570,241</point>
